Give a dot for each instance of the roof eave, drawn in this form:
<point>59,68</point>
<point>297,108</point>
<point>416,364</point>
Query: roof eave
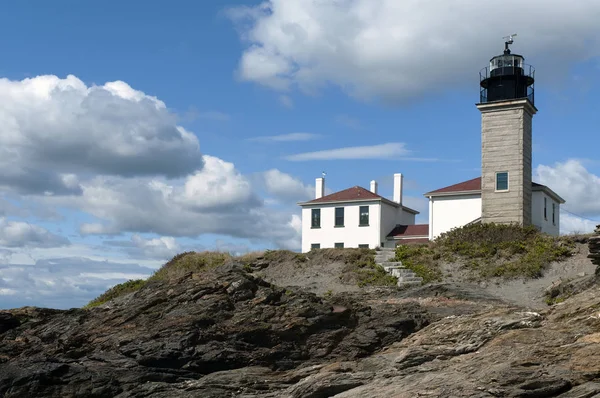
<point>311,203</point>
<point>452,193</point>
<point>550,193</point>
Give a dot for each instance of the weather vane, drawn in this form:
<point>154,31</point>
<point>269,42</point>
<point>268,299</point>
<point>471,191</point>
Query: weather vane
<point>508,41</point>
<point>324,174</point>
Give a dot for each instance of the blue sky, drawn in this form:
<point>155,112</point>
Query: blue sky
<point>132,131</point>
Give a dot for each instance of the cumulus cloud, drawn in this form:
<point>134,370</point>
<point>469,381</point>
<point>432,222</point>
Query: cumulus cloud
<point>161,248</point>
<point>572,181</point>
<point>286,187</point>
<point>216,200</point>
<point>381,151</point>
<point>19,234</point>
<point>570,224</point>
<point>286,137</point>
<point>397,50</point>
<point>53,129</point>
<point>62,282</point>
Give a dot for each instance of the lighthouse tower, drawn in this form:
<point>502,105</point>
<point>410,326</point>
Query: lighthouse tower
<point>507,108</point>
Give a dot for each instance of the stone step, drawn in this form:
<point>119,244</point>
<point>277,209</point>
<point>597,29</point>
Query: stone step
<point>391,264</point>
<point>410,279</point>
<point>408,284</point>
<point>398,271</point>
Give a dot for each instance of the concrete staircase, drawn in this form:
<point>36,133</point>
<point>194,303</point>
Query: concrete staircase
<point>406,277</point>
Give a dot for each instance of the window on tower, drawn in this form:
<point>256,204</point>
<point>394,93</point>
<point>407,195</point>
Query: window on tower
<point>502,181</point>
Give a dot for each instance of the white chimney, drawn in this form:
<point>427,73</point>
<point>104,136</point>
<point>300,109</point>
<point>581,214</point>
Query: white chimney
<point>319,188</point>
<point>398,178</point>
<point>374,186</point>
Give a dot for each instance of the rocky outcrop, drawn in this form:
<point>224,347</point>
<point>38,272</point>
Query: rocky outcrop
<point>228,334</point>
<point>594,245</point>
<point>169,334</point>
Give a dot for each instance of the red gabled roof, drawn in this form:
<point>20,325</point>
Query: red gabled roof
<point>354,193</point>
<point>412,241</point>
<point>471,185</point>
<point>410,230</point>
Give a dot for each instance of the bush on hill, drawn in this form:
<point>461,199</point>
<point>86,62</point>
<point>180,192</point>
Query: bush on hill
<point>118,290</point>
<point>488,250</point>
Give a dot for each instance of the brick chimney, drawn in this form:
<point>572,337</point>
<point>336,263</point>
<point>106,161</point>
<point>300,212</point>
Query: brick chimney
<point>398,179</point>
<point>374,186</point>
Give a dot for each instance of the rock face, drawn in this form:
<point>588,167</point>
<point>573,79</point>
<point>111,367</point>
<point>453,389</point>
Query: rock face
<point>594,245</point>
<point>167,335</point>
<point>228,334</point>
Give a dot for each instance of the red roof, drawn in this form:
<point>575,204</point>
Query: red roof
<point>470,185</point>
<point>412,241</point>
<point>354,193</point>
<point>410,230</point>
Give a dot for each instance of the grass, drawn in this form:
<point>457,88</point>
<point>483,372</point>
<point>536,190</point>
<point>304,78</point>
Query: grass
<point>487,250</point>
<point>361,264</point>
<point>119,290</point>
<point>178,266</point>
<point>190,262</point>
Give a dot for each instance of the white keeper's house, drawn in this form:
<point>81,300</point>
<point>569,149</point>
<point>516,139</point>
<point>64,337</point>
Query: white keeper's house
<point>356,217</point>
<point>504,193</point>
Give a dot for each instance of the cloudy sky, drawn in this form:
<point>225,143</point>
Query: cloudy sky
<point>131,131</point>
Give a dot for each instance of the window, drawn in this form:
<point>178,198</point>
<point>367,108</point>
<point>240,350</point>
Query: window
<point>339,216</point>
<point>502,181</point>
<point>339,245</point>
<point>363,246</point>
<point>553,214</point>
<point>364,215</point>
<point>316,218</point>
<point>545,208</point>
<point>315,246</point>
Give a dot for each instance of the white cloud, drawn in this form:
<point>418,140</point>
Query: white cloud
<point>53,130</point>
<point>287,137</point>
<point>161,248</point>
<point>284,186</point>
<point>20,234</point>
<point>381,151</point>
<point>286,101</point>
<point>572,181</point>
<point>397,50</point>
<point>216,200</point>
<point>62,282</point>
<point>217,185</point>
<point>570,224</point>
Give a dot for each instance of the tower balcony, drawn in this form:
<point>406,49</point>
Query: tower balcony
<point>506,78</point>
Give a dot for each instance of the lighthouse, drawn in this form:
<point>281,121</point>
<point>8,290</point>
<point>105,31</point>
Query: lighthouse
<point>506,103</point>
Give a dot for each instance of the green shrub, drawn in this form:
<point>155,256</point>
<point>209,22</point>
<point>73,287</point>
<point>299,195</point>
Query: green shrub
<point>118,290</point>
<point>187,262</point>
<point>420,259</point>
<point>361,264</point>
<point>488,250</point>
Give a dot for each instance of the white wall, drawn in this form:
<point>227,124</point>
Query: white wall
<point>537,213</point>
<point>447,212</point>
<point>351,234</point>
<point>390,217</point>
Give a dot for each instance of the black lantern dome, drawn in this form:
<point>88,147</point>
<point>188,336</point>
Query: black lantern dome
<point>507,77</point>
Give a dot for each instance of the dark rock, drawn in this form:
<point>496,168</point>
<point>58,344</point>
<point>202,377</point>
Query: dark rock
<point>8,321</point>
<point>172,333</point>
